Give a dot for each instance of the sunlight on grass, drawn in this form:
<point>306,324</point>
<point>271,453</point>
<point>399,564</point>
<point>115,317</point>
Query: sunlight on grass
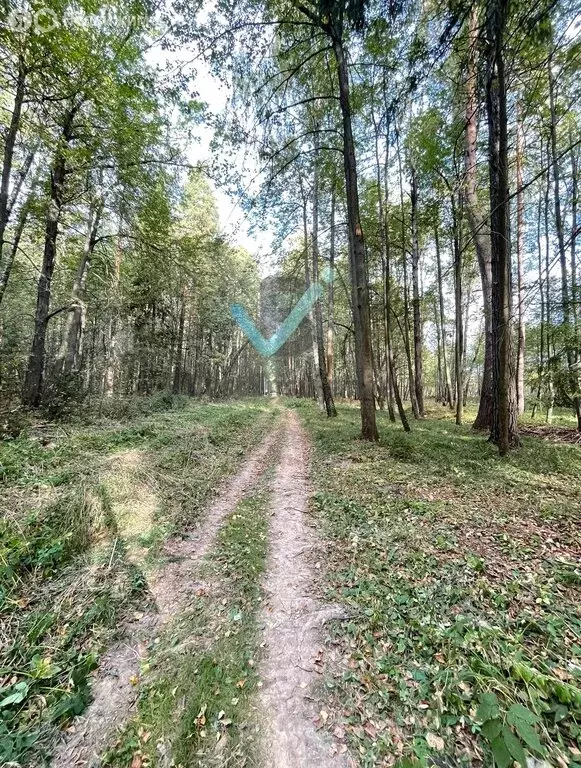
<point>462,570</point>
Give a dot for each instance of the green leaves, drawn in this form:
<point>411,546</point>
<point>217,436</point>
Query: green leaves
<point>19,693</point>
<point>523,720</point>
<point>505,744</point>
<point>488,709</point>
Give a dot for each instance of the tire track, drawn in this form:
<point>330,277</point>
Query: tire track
<point>293,619</point>
<point>113,690</point>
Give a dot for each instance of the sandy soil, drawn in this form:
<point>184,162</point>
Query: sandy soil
<point>293,619</point>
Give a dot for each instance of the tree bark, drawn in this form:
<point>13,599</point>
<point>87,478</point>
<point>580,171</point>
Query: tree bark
<point>317,309</point>
<point>447,378</point>
<point>330,356</point>
<point>360,288</point>
<point>520,222</point>
<point>459,347</point>
<point>478,222</point>
<point>504,430</point>
<point>416,307</point>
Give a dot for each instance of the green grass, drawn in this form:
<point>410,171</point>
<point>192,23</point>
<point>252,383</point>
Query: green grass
<point>195,708</point>
<point>76,545</point>
<point>462,570</point>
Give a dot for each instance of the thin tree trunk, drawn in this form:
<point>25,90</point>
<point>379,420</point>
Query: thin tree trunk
<point>330,356</point>
<point>314,357</point>
<point>418,346</point>
<point>112,331</point>
<point>520,221</point>
<point>440,390</point>
<point>317,309</point>
<point>447,378</point>
<point>360,288</point>
<point>478,222</point>
<point>8,157</point>
<point>406,313</point>
<point>574,383</point>
<point>15,244</point>
<point>541,365</point>
<point>385,267</point>
<point>459,349</point>
<point>178,366</point>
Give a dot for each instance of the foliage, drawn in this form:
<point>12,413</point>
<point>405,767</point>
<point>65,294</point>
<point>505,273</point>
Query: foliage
<point>75,556</point>
<point>459,568</point>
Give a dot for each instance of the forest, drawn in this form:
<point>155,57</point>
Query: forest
<point>290,383</point>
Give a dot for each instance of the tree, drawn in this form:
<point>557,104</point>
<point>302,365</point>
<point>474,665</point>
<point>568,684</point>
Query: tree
<point>504,431</point>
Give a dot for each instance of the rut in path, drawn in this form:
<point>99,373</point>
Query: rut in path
<point>113,692</point>
<point>293,619</point>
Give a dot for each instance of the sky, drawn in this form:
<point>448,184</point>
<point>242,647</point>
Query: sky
<point>214,94</point>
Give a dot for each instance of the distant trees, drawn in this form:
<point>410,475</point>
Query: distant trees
<point>109,282</point>
<point>431,158</point>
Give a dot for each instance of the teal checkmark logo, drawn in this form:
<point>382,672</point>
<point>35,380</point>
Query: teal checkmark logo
<point>267,347</point>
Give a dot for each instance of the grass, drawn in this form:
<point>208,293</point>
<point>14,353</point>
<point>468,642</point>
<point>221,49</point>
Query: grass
<point>196,709</point>
<point>462,571</point>
<point>84,509</point>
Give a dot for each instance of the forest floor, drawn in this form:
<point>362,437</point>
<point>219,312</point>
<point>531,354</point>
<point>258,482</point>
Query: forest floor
<point>248,584</point>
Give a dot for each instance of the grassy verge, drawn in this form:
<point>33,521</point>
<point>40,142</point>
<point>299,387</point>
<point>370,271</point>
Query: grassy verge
<point>82,511</point>
<point>462,570</point>
<point>195,710</point>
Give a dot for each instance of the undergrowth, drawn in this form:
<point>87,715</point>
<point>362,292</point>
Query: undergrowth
<point>69,566</point>
<point>462,570</point>
<point>195,709</point>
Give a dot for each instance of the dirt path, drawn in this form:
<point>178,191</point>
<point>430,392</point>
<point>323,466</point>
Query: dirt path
<point>114,691</point>
<point>293,619</point>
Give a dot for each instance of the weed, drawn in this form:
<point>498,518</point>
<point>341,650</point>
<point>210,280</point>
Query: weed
<point>75,544</point>
<point>461,569</point>
<point>196,707</point>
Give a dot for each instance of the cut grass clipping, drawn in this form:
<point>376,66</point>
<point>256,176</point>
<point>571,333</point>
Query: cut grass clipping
<point>72,559</point>
<point>195,709</point>
<point>462,570</point>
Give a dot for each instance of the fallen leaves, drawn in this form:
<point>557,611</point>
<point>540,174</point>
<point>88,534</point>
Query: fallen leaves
<point>435,742</point>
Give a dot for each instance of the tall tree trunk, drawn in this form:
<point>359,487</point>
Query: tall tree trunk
<point>576,297</point>
<point>32,390</point>
<point>520,224</point>
<point>383,228</point>
<point>314,356</point>
<point>330,356</point>
<point>72,345</point>
<point>478,221</point>
<point>9,257</point>
<point>360,288</point>
<point>504,430</point>
<point>541,364</point>
<point>8,157</point>
<point>110,373</point>
<point>178,366</point>
<point>317,309</point>
<point>459,347</point>
<point>405,327</point>
<point>549,306</point>
<point>447,378</point>
<point>574,382</point>
<point>418,346</point>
